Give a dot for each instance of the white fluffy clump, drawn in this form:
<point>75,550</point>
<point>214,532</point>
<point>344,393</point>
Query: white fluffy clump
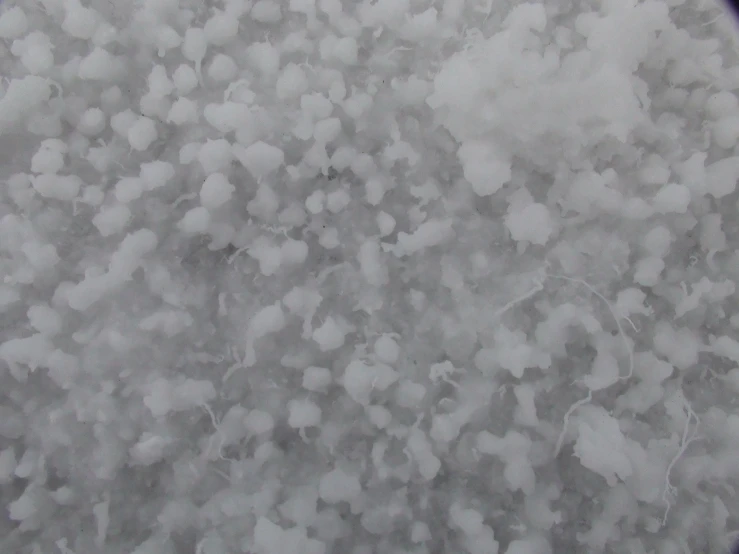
<point>260,158</point>
<point>286,267</point>
<point>216,191</point>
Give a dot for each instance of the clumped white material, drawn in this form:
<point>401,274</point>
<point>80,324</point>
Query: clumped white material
<point>216,191</point>
<point>388,276</point>
<point>260,158</point>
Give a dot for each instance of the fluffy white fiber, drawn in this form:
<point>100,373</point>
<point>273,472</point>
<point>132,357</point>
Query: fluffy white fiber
<point>372,277</point>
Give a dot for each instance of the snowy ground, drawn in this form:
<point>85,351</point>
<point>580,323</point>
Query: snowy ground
<point>353,277</point>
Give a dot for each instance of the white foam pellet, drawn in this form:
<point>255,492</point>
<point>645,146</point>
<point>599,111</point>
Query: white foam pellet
<point>379,416</point>
<point>329,239</point>
<point>45,319</point>
<point>166,39</point>
<point>372,265</point>
<point>338,200</point>
<point>357,105</point>
<point>264,57</point>
<point>338,486</point>
<point>410,394</point>
<point>183,111</point>
<point>337,91</point>
<point>722,176</point>
<point>47,160</point>
<point>221,29</point>
<point>293,216</point>
<point>330,335</point>
<point>292,82</point>
<point>156,174</point>
<point>259,422</point>
<point>222,68</point>
<point>216,191</point>
<point>129,189</point>
<point>93,122</point>
<point>672,198</point>
<point>13,23</point>
<point>80,22</point>
<point>122,122</point>
<point>374,191</point>
<point>58,187</point>
<point>327,46</point>
<point>428,234</point>
<point>215,155</point>
<point>648,271</point>
<point>93,195</point>
<point>387,350</point>
<point>8,465</point>
<point>637,209</point>
<point>266,11</point>
<point>327,130</point>
<point>142,134</point>
<point>316,105</point>
<point>112,219</point>
<point>725,132</point>
<point>269,258</point>
<point>261,159</point>
<point>657,241</point>
<point>38,59</point>
<point>317,379</point>
<point>21,97</point>
<point>346,50</point>
<point>269,319</point>
<point>156,107</point>
<point>721,104</point>
<point>196,220</point>
<point>294,252</point>
<point>195,45</point>
<point>303,413</point>
<point>100,65</point>
<point>385,223</point>
<point>360,379</point>
<point>533,224</point>
<point>40,256</point>
<point>185,79</point>
<point>159,82</point>
<point>315,202</point>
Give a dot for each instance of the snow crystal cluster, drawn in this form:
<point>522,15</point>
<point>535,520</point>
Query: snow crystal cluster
<point>368,277</point>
